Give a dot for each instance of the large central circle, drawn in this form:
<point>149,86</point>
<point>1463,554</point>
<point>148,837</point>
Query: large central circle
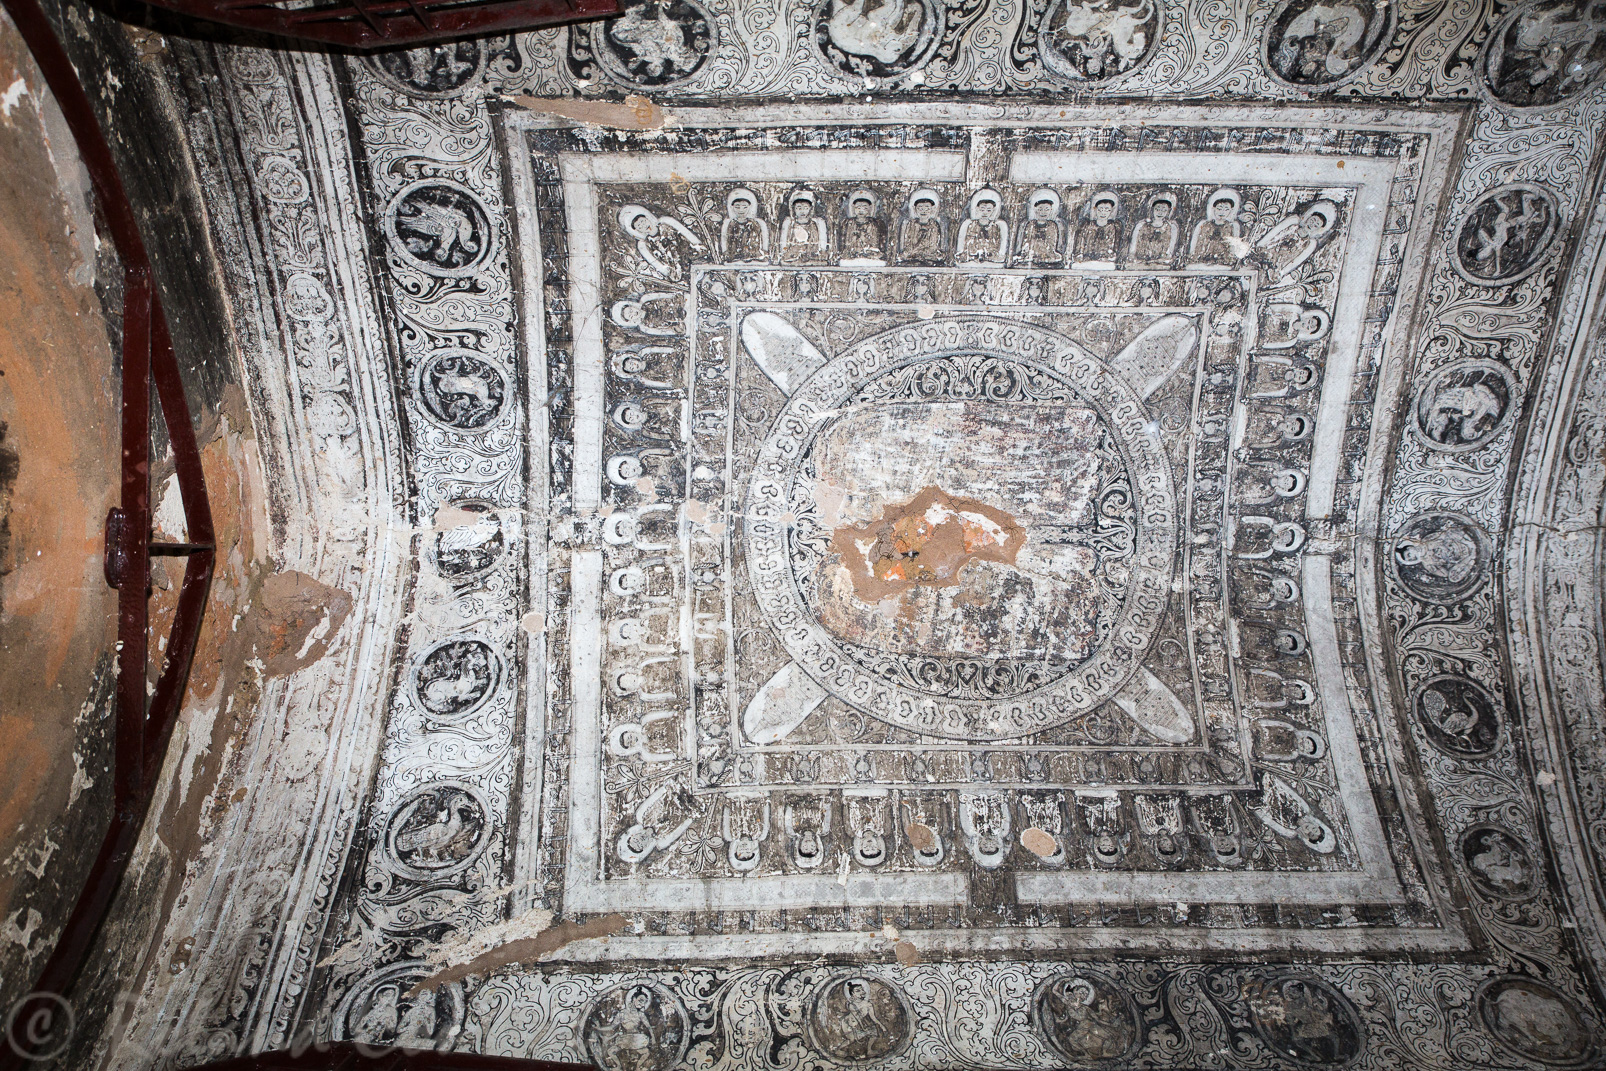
<point>965,528</point>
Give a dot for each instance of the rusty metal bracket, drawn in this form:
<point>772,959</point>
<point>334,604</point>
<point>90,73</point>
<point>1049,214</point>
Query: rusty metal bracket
<point>376,24</point>
<point>39,1026</point>
<point>144,721</point>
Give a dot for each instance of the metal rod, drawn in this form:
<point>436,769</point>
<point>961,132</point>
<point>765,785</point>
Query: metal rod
<point>146,344</point>
<point>133,593</point>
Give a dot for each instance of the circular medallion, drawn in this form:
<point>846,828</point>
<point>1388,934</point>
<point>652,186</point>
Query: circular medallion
<point>1307,47</point>
<point>1441,557</point>
<point>1506,234</point>
<point>656,42</point>
<point>635,1026</point>
<point>455,677</point>
<point>1091,41</point>
<point>432,71</point>
<point>859,1017</point>
<point>1305,1019</point>
<point>1086,1018</point>
<point>937,477</point>
<point>437,830</point>
<point>378,1010</point>
<point>1498,863</point>
<point>877,38</point>
<point>1458,716</point>
<point>470,546</point>
<point>1545,53</point>
<point>461,390</point>
<point>1463,406</point>
<point>440,228</point>
<point>1534,1021</point>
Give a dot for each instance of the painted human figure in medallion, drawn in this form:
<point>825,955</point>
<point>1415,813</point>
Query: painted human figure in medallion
<point>1533,1020</point>
<point>1498,863</point>
<point>656,42</point>
<point>1315,44</point>
<point>1097,40</point>
<point>635,1026</point>
<point>1302,1017</point>
<point>1506,234</point>
<point>1464,405</point>
<point>1442,557</point>
<point>1458,716</point>
<point>1086,1018</point>
<point>859,1017</point>
<point>383,1010</point>
<point>923,233</point>
<point>877,38</point>
<point>1546,52</point>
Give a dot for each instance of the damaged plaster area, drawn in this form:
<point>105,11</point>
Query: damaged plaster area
<point>58,452</point>
<point>926,540</point>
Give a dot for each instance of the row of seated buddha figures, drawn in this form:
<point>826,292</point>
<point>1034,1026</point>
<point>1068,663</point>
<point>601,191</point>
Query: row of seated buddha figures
<point>1110,230</point>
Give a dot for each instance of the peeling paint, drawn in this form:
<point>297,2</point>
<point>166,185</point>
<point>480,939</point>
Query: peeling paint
<point>20,933</point>
<point>1038,842</point>
<point>926,540</point>
<point>636,113</point>
<point>503,948</point>
<point>14,92</point>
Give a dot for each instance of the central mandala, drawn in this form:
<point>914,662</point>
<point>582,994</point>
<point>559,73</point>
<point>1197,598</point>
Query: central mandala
<point>965,528</point>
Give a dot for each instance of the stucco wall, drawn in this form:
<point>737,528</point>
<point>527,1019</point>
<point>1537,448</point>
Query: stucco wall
<point>58,476</point>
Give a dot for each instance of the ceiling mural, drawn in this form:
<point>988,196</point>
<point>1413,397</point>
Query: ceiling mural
<point>989,534</point>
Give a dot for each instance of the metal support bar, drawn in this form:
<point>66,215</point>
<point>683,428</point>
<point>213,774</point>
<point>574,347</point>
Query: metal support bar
<point>142,729</point>
<point>385,24</point>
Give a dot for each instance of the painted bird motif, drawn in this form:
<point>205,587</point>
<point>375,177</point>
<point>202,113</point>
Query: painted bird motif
<point>427,843</point>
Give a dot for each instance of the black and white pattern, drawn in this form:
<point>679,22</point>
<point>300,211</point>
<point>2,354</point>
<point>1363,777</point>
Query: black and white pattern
<point>1311,604</point>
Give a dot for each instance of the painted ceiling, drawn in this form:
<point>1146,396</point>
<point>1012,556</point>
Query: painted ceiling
<point>935,534</point>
